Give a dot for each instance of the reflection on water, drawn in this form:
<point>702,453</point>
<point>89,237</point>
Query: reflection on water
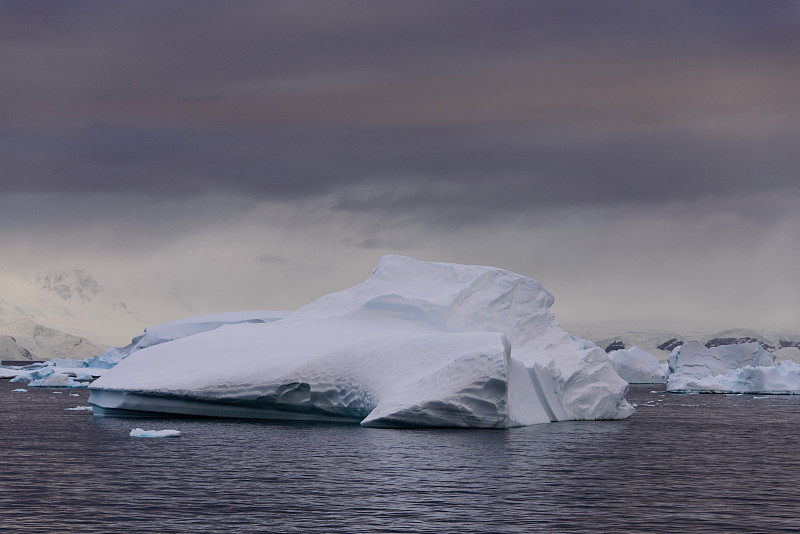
<point>681,463</point>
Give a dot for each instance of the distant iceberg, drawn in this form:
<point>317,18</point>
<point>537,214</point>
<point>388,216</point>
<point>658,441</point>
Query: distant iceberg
<point>740,368</point>
<point>57,381</point>
<point>636,366</point>
<point>418,344</point>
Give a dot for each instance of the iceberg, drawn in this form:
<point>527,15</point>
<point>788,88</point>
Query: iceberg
<point>26,376</point>
<point>57,381</point>
<point>141,433</point>
<point>636,366</point>
<point>418,344</point>
<point>741,368</point>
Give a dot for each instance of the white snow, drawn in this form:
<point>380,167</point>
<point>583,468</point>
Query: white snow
<point>141,433</point>
<point>417,344</point>
<point>636,366</point>
<point>742,368</point>
<point>162,333</point>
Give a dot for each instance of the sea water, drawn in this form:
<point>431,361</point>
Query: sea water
<point>681,463</point>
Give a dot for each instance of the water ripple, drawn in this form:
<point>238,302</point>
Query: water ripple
<point>722,464</point>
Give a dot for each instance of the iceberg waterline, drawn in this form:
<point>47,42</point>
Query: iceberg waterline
<point>416,344</point>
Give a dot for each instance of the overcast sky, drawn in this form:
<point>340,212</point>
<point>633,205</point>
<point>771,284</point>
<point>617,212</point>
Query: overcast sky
<point>640,159</point>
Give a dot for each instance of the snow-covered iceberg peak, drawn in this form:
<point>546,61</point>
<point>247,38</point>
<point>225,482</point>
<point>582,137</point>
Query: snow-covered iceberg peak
<point>450,297</point>
<point>416,344</point>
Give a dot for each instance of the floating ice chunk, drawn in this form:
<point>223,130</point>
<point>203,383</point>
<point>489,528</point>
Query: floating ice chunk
<point>19,390</point>
<point>57,381</point>
<point>417,344</point>
<point>36,374</point>
<point>141,433</point>
<point>743,368</point>
<point>163,333</point>
<point>636,366</point>
<point>79,409</point>
<point>695,360</point>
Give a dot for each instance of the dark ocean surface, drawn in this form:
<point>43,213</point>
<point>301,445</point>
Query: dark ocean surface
<point>682,463</point>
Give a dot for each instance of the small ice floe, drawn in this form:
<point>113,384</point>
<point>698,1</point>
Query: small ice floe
<point>141,433</point>
<point>761,397</point>
<point>74,395</point>
<point>58,381</point>
<point>19,390</point>
<point>690,405</point>
<point>58,393</point>
<point>79,409</point>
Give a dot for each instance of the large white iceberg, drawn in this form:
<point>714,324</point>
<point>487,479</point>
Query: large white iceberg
<point>740,368</point>
<point>636,366</point>
<point>416,344</point>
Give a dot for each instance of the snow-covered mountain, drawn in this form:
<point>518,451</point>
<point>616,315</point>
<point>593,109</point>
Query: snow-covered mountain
<point>61,314</point>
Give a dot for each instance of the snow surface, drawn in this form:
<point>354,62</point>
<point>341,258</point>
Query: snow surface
<point>636,366</point>
<point>162,333</point>
<point>141,433</point>
<point>742,368</point>
<point>417,344</point>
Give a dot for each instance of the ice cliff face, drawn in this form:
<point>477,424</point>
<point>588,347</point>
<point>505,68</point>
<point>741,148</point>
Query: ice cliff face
<point>417,344</point>
<point>741,368</point>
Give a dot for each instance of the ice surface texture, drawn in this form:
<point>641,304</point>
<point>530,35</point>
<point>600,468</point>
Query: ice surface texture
<point>743,368</point>
<point>162,333</point>
<point>418,344</point>
<point>636,366</point>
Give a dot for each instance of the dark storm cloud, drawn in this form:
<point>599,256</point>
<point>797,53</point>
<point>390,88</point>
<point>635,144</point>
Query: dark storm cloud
<point>431,107</point>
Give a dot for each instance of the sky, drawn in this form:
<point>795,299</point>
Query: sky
<point>638,158</point>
